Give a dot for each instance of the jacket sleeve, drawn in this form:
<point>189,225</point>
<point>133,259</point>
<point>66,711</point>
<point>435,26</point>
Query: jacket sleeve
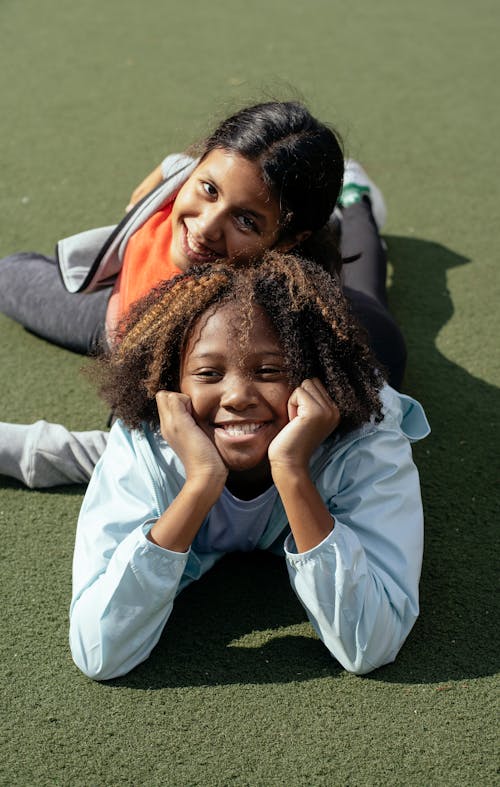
<point>359,586</point>
<point>123,585</point>
<point>174,162</point>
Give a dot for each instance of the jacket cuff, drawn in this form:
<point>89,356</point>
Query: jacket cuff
<point>293,556</point>
<point>146,527</point>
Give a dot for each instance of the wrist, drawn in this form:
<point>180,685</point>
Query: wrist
<point>291,480</point>
<point>177,527</point>
<point>292,469</point>
<point>206,486</point>
<point>309,518</point>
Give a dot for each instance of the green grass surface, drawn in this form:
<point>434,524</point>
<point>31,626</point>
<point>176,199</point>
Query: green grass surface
<point>240,691</point>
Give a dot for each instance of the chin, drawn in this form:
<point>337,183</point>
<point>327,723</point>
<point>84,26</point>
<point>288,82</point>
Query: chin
<point>240,467</point>
<point>250,467</point>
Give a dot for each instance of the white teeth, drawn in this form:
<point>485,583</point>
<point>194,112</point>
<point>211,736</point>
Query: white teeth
<point>234,430</point>
<point>197,248</point>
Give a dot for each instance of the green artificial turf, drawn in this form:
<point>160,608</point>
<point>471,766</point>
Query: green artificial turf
<point>239,691</point>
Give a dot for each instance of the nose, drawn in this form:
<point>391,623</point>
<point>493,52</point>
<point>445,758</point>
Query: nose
<point>239,393</point>
<point>210,223</point>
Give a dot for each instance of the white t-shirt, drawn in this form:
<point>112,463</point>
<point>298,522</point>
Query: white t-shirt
<point>235,525</point>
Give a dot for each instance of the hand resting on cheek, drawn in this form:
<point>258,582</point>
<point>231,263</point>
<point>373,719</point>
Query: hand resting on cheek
<point>178,427</point>
<point>313,416</point>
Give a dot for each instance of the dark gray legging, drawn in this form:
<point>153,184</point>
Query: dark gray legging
<point>364,284</point>
<point>32,293</point>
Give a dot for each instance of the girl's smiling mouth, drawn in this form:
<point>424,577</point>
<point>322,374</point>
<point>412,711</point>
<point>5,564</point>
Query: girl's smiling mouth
<point>240,429</point>
<point>195,250</point>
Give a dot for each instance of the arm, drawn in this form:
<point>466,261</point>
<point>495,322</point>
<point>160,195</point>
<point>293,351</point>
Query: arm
<point>313,416</point>
<point>125,579</point>
<point>148,184</point>
<point>354,560</point>
<point>205,474</point>
<point>168,167</point>
<point>123,585</point>
<point>360,585</point>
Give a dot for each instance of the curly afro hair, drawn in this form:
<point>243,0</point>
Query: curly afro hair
<point>305,305</point>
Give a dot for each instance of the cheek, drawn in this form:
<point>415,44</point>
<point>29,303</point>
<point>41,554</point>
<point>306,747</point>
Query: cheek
<point>182,201</point>
<point>279,400</point>
<point>244,248</point>
<point>201,403</point>
<point>183,386</point>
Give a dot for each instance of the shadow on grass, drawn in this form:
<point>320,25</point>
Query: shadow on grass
<point>71,490</point>
<point>456,636</point>
<point>241,624</point>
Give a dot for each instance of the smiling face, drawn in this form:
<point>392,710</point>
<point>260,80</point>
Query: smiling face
<point>223,210</point>
<point>239,395</point>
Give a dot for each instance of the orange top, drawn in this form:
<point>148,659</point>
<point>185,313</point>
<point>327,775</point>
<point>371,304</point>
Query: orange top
<point>146,263</point>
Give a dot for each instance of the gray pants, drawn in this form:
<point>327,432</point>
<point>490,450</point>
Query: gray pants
<point>43,454</point>
<point>31,292</point>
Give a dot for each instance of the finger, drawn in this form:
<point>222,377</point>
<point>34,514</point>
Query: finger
<point>321,395</point>
<point>292,405</point>
<point>302,403</point>
<point>320,387</point>
<point>324,399</point>
<point>309,393</point>
<point>316,394</point>
<point>172,395</point>
<point>316,389</point>
<point>136,195</point>
<point>171,401</point>
<point>312,386</point>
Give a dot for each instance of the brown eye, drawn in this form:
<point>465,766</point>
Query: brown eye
<point>207,374</point>
<point>209,188</point>
<point>246,223</point>
<point>269,371</point>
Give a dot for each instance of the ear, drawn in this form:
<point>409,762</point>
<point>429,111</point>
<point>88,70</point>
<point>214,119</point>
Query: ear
<point>290,243</point>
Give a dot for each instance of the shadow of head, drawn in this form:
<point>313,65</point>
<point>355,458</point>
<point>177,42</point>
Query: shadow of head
<point>419,295</point>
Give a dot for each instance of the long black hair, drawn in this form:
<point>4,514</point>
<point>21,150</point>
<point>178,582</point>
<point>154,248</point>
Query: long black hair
<point>301,161</point>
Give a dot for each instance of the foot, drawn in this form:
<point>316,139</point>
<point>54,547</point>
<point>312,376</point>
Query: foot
<point>358,186</point>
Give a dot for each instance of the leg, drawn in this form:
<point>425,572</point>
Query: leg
<point>32,293</point>
<point>384,336</point>
<point>364,283</point>
<point>43,454</point>
<point>360,236</point>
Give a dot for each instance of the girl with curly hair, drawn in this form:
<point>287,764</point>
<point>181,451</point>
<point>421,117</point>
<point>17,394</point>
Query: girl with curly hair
<point>252,415</point>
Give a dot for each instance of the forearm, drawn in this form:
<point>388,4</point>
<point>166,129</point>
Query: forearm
<point>309,519</point>
<point>362,614</point>
<point>177,527</point>
<point>359,585</point>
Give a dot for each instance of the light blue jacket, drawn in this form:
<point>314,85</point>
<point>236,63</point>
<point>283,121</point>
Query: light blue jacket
<point>359,586</point>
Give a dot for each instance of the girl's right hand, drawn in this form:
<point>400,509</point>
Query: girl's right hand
<point>197,453</point>
<point>206,474</point>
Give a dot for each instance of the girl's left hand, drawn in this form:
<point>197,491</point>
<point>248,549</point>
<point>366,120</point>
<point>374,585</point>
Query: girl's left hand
<point>313,416</point>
